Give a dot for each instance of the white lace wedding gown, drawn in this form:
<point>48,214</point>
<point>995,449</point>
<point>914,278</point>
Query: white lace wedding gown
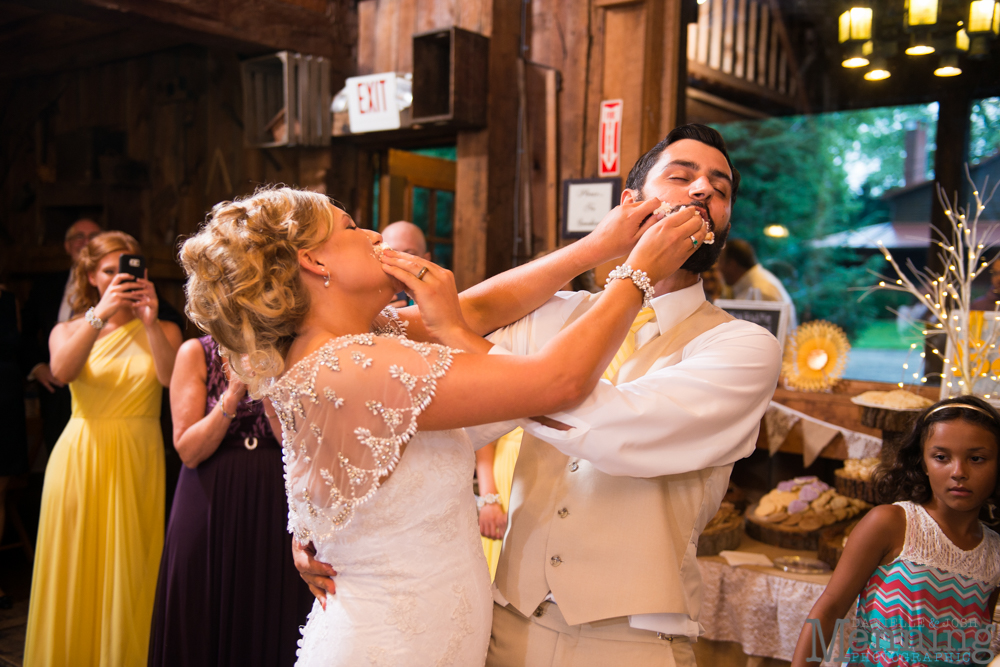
<point>399,528</point>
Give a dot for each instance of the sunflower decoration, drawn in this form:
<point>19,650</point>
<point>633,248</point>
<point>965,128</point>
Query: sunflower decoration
<point>815,356</point>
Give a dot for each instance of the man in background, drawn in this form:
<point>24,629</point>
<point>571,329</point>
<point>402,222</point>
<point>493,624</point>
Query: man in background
<point>405,237</point>
<point>749,280</point>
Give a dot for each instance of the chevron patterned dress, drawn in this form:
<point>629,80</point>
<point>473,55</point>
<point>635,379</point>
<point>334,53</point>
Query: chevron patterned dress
<point>928,608</point>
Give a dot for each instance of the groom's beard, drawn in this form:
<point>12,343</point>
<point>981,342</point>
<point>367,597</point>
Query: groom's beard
<point>706,255</point>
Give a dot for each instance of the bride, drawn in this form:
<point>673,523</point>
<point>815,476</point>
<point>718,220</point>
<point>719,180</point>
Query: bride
<point>371,402</point>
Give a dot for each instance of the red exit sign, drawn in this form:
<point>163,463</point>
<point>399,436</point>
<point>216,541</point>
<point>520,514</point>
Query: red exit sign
<point>371,102</point>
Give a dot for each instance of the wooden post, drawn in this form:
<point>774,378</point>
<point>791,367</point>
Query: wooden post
<point>484,195</point>
<point>950,158</point>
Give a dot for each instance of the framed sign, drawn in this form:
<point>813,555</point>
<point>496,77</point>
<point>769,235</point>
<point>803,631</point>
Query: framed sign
<point>772,315</point>
<point>585,203</point>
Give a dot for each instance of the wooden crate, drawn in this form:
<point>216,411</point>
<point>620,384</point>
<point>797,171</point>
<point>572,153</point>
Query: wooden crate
<point>286,100</point>
<point>450,73</point>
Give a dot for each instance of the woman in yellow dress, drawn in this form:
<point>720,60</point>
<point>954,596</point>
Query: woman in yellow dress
<point>100,533</point>
<point>495,471</point>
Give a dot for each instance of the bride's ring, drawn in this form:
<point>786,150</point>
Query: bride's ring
<point>423,271</point>
<point>694,241</point>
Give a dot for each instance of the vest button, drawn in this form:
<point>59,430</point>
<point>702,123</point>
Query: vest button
<point>574,466</point>
<point>539,610</point>
<point>563,513</point>
<point>556,561</point>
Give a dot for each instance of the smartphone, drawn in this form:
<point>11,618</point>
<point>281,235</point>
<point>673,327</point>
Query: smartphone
<point>132,264</point>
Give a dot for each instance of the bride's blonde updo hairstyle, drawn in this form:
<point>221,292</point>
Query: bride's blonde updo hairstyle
<point>244,286</point>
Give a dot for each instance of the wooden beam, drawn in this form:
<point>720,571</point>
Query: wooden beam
<point>950,157</point>
<point>732,107</point>
<point>762,43</point>
<point>739,68</point>
<point>728,36</point>
<point>705,73</point>
<point>422,171</point>
<point>715,34</point>
<point>674,71</point>
<point>502,114</point>
<point>270,23</point>
<point>471,202</point>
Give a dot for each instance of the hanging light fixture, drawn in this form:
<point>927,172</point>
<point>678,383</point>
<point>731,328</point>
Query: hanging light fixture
<point>879,70</point>
<point>856,54</point>
<point>962,40</point>
<point>921,16</point>
<point>855,33</point>
<point>921,13</point>
<point>870,36</point>
<point>983,26</point>
<point>948,66</point>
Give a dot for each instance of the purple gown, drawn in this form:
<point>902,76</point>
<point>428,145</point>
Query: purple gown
<point>228,592</point>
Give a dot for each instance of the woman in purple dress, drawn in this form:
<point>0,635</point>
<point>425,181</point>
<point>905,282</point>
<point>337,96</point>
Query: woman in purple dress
<point>228,593</point>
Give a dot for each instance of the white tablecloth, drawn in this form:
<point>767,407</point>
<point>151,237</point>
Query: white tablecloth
<point>761,608</point>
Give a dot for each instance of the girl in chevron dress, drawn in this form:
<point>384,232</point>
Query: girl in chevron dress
<point>926,567</point>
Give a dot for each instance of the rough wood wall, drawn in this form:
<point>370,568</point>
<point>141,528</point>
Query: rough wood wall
<point>180,112</point>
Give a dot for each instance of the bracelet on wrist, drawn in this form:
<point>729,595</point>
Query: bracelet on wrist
<point>222,408</point>
<point>93,320</point>
<point>638,278</point>
<point>488,499</point>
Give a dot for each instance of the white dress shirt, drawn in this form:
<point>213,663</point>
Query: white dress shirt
<point>703,412</point>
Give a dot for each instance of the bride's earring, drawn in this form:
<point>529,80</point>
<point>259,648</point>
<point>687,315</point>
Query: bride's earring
<point>326,281</point>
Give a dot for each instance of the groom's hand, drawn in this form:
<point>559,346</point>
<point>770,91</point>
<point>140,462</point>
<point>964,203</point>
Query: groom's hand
<point>319,576</point>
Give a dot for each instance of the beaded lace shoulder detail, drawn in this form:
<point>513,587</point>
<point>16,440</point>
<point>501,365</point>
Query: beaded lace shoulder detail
<point>926,544</point>
<point>388,323</point>
<point>346,411</point>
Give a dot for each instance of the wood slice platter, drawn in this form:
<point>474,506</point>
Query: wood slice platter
<point>787,537</point>
<point>710,543</point>
<point>888,419</point>
<point>831,544</point>
<point>854,488</point>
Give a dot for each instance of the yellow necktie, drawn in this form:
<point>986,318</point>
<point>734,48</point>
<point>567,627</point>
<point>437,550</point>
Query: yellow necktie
<point>628,345</point>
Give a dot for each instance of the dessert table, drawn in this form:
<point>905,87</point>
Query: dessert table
<point>753,614</point>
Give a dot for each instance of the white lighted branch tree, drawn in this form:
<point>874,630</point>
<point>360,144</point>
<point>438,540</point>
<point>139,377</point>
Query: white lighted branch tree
<point>947,297</point>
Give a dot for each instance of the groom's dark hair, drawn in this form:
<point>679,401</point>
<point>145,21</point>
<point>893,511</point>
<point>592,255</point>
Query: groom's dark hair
<point>706,135</point>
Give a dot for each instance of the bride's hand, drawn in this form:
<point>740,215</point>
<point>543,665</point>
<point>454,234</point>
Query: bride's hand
<point>492,521</point>
<point>318,576</point>
<point>434,291</point>
<point>622,227</point>
<point>667,244</point>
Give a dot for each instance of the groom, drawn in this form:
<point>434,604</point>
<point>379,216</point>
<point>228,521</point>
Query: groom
<point>608,500</point>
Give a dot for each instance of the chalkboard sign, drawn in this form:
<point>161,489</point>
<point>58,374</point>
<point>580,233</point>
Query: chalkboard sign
<point>772,315</point>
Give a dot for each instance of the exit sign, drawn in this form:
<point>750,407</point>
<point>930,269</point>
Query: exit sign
<point>371,102</point>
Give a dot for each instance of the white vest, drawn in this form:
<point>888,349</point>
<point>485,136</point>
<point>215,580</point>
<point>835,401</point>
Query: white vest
<point>610,546</point>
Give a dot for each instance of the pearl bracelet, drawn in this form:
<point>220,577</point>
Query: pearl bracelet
<point>639,278</point>
<point>93,320</point>
<point>488,499</point>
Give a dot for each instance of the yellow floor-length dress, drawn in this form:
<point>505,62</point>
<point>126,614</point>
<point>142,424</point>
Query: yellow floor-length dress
<point>100,533</point>
<point>504,460</point>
